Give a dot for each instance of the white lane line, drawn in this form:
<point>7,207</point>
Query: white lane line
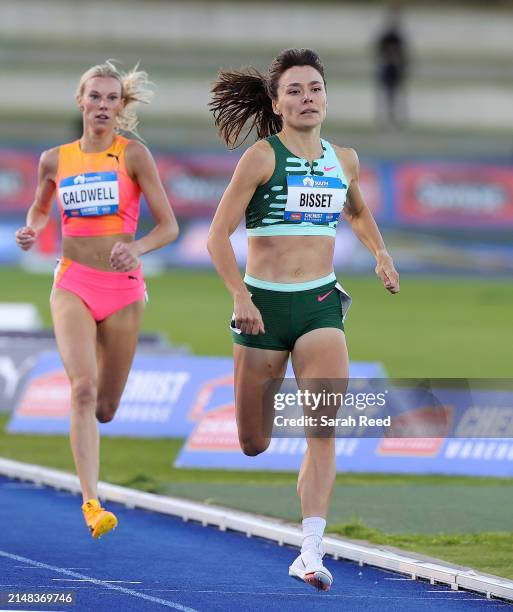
<point>87,580</point>
<point>284,593</point>
<point>102,583</point>
<point>32,567</point>
<point>75,587</point>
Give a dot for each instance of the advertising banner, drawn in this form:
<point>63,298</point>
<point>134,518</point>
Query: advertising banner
<point>449,194</point>
<point>165,396</point>
<point>464,457</point>
<point>162,396</point>
<point>444,431</point>
<point>195,182</point>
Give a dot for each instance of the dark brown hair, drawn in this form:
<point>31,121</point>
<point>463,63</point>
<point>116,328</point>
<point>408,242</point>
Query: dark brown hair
<point>239,95</point>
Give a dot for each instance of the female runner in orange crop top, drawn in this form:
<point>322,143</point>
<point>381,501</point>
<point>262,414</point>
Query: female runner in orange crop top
<point>98,295</point>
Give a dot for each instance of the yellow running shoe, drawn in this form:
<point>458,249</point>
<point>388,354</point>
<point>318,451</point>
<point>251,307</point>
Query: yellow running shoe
<point>98,519</point>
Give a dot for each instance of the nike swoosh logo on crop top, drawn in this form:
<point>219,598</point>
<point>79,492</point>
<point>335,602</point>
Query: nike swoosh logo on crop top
<point>327,169</point>
<point>320,298</point>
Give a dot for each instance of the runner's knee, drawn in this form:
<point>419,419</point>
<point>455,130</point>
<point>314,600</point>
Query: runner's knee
<point>106,409</point>
<point>83,392</point>
<point>252,446</point>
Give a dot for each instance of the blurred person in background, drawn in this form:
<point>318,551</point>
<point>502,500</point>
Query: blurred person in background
<point>391,70</point>
<point>289,302</point>
<point>98,295</point>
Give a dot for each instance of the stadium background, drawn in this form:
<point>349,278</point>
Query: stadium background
<point>425,180</point>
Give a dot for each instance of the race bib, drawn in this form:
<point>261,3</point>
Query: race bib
<point>90,194</point>
<point>314,199</point>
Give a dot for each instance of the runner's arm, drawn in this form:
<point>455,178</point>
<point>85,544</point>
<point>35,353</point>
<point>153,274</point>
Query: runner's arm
<point>39,212</point>
<point>364,226</point>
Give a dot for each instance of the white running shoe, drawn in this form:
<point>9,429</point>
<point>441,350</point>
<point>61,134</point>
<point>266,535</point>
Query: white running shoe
<point>309,568</point>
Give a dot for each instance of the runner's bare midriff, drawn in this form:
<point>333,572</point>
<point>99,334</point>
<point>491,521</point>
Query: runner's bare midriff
<point>92,251</point>
<point>290,259</point>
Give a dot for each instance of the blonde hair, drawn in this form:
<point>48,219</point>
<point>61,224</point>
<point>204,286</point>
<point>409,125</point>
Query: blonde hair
<point>135,89</point>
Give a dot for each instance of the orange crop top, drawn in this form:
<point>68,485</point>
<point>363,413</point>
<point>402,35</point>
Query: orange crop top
<point>95,194</point>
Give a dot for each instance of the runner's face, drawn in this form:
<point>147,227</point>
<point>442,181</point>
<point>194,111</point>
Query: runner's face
<point>101,103</point>
<point>301,100</point>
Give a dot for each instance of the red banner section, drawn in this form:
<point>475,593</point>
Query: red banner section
<point>195,183</point>
<point>18,172</point>
<point>216,431</point>
<point>410,447</point>
<point>372,189</point>
<point>454,195</point>
<point>48,396</point>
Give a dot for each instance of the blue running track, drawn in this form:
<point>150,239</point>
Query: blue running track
<point>157,562</point>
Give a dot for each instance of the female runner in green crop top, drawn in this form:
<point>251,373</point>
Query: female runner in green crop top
<point>292,186</point>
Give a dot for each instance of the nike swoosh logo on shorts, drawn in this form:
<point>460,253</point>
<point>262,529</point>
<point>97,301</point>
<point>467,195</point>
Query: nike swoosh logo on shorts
<point>326,169</point>
<point>320,298</point>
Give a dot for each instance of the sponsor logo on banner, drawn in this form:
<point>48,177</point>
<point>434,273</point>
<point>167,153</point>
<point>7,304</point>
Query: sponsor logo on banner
<point>434,420</point>
<point>205,396</point>
<point>411,447</point>
<point>478,450</point>
<point>48,396</point>
<point>455,194</point>
<point>216,431</point>
<point>150,395</point>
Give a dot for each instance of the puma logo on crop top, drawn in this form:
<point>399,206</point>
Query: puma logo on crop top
<point>298,199</point>
<point>96,196</point>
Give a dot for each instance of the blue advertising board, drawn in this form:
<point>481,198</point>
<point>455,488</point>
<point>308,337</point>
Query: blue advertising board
<point>465,456</point>
<point>443,431</point>
<point>165,395</point>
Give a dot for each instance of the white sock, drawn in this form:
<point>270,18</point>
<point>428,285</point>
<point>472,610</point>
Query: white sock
<point>313,530</point>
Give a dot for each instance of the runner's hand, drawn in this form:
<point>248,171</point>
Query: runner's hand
<point>26,237</point>
<point>123,257</point>
<point>387,273</point>
<point>246,315</point>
